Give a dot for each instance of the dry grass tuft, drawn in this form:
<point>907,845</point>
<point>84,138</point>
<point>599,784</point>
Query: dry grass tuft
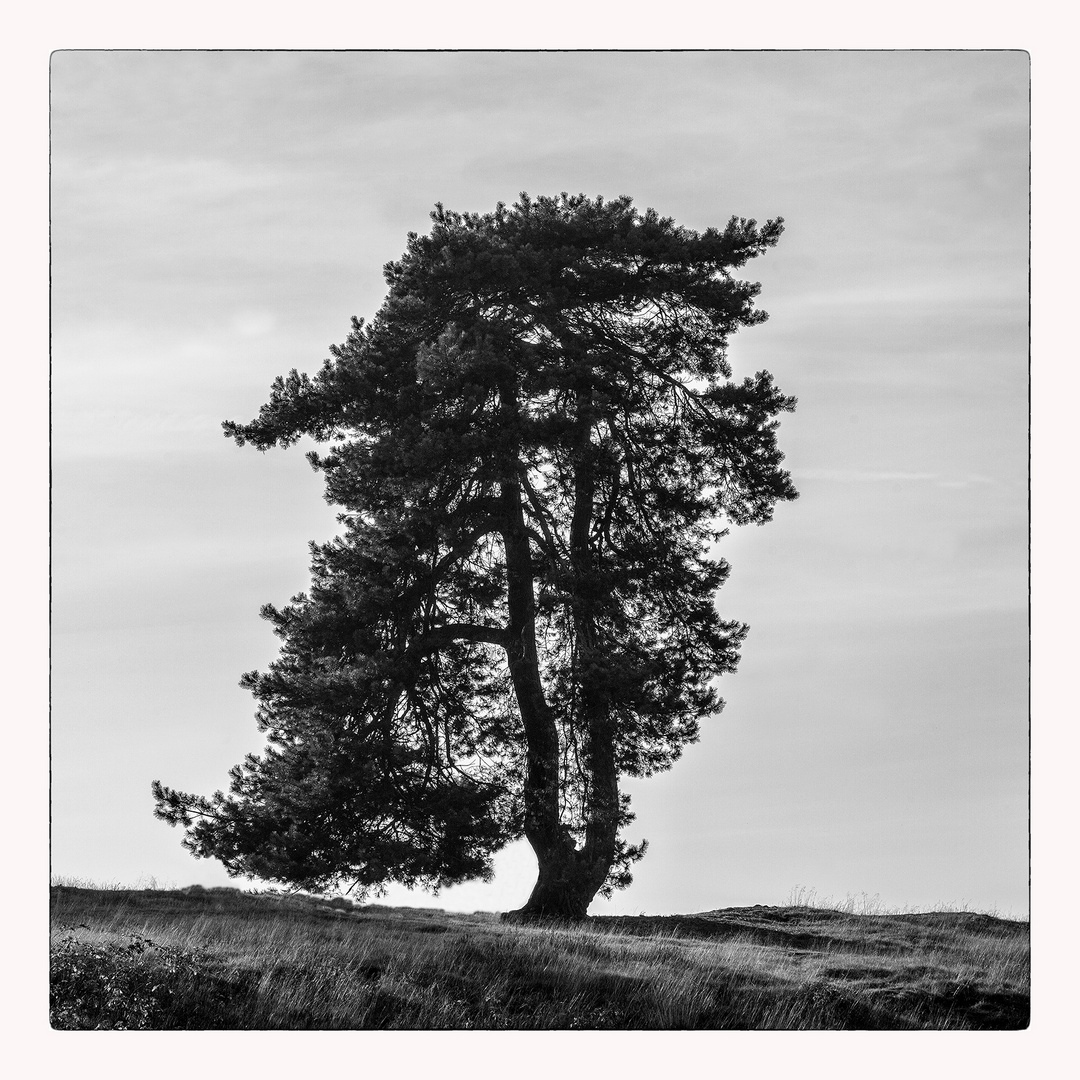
<point>219,958</point>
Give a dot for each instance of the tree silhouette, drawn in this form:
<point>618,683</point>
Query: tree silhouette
<point>535,444</point>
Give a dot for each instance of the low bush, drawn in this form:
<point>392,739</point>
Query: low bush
<point>133,985</point>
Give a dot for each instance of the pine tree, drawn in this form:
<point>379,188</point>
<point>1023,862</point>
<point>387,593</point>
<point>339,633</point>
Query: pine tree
<point>535,445</point>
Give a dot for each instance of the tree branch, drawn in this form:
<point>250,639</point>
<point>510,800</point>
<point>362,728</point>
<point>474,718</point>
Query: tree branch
<point>440,636</point>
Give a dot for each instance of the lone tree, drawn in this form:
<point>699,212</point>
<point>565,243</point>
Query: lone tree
<point>534,445</point>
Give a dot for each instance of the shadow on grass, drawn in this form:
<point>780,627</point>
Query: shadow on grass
<point>206,959</point>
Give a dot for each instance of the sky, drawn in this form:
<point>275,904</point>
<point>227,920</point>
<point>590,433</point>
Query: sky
<point>216,218</point>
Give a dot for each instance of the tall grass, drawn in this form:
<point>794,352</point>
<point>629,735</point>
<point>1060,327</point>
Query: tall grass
<point>223,959</point>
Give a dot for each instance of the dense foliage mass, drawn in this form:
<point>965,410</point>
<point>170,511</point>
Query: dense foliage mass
<point>535,445</point>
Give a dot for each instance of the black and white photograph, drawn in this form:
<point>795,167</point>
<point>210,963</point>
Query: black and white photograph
<point>539,539</point>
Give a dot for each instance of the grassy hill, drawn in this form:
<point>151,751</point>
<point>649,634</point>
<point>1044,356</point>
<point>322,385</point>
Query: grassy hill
<point>220,958</point>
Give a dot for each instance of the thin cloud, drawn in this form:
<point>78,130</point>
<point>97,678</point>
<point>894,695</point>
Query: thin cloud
<point>861,476</point>
<point>878,476</point>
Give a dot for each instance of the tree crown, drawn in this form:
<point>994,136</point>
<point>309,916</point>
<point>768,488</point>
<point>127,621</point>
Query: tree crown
<point>534,445</point>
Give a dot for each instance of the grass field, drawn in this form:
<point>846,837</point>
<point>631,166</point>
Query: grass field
<point>223,959</point>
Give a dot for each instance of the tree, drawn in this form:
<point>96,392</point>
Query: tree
<point>535,444</point>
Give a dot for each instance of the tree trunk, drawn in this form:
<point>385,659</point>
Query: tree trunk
<point>556,895</point>
<point>602,796</point>
<point>563,891</point>
<point>567,878</point>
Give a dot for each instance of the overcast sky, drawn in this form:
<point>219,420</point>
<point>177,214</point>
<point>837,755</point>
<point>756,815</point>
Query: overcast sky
<point>216,220</point>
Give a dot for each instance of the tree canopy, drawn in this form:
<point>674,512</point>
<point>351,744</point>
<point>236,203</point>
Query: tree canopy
<point>535,445</point>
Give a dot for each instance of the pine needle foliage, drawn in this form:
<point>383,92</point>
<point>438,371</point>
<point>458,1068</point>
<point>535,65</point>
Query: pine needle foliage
<point>535,445</point>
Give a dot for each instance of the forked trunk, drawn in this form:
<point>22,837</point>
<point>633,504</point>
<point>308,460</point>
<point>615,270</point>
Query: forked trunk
<point>568,877</point>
